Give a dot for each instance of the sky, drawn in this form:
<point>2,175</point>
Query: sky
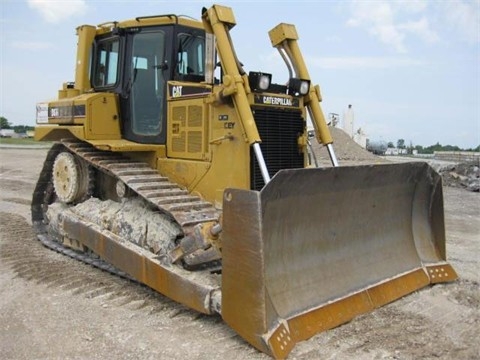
<point>410,69</point>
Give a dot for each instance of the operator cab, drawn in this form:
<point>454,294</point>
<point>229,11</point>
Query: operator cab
<point>136,63</point>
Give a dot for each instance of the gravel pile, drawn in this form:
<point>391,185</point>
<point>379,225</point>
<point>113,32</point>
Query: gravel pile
<point>464,175</point>
<point>348,152</point>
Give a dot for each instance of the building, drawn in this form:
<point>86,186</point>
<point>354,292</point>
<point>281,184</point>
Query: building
<point>7,133</point>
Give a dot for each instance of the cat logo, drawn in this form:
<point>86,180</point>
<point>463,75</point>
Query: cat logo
<point>177,91</point>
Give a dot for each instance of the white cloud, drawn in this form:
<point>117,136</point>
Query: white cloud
<point>363,62</point>
<point>381,19</point>
<point>421,28</point>
<point>464,17</point>
<point>56,11</point>
<point>378,19</point>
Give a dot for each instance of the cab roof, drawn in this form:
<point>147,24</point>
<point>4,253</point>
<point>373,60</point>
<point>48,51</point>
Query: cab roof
<point>145,21</point>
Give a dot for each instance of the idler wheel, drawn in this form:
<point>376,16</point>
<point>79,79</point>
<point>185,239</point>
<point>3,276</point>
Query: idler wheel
<point>70,178</point>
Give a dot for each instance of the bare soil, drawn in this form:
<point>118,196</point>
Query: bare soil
<point>53,307</point>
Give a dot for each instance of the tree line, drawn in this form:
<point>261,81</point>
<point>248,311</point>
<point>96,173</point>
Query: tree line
<point>428,149</point>
<point>19,129</point>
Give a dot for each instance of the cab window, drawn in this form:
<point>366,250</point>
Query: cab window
<point>106,63</point>
<point>190,58</point>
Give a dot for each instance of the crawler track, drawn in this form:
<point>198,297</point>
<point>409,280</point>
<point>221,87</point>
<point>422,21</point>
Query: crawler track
<point>162,195</point>
<point>157,190</point>
<point>166,196</point>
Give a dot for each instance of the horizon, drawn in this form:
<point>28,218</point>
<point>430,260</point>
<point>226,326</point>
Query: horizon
<point>12,126</point>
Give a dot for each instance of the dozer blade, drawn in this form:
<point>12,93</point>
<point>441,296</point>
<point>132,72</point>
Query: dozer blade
<point>316,247</point>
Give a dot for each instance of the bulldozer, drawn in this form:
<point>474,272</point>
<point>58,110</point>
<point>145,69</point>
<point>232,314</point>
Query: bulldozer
<point>173,166</point>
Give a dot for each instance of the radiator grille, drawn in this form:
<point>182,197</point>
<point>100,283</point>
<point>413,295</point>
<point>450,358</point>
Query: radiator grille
<point>187,131</point>
<point>279,130</point>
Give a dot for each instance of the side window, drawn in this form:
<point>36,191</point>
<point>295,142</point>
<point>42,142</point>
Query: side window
<point>106,63</point>
<point>190,57</point>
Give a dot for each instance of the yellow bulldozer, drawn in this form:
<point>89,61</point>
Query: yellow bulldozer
<point>173,166</point>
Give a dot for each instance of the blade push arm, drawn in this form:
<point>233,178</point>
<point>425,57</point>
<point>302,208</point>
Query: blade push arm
<point>218,20</point>
<point>284,38</point>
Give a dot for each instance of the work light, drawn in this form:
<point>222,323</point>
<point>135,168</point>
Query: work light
<point>298,87</point>
<point>259,81</point>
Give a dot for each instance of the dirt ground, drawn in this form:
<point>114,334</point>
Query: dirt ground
<point>53,307</point>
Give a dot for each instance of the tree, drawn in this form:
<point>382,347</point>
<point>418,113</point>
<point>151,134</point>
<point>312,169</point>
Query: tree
<point>410,148</point>
<point>4,123</point>
<point>401,143</point>
<point>390,145</point>
<point>20,129</point>
<point>419,148</point>
<point>451,148</point>
<point>432,148</point>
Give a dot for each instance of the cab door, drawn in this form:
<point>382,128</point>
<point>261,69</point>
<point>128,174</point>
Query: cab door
<point>144,97</point>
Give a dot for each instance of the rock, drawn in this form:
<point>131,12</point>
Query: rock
<point>464,175</point>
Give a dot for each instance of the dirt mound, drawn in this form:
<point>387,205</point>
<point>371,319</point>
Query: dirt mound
<point>464,175</point>
<point>348,152</point>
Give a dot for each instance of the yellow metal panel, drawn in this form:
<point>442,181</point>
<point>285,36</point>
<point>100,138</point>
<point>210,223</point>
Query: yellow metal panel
<point>282,32</point>
<point>141,264</point>
<point>187,129</point>
<point>86,35</point>
<point>103,121</point>
<point>184,172</point>
<point>223,141</point>
<point>57,132</point>
<point>441,273</point>
<point>65,111</point>
<point>231,153</point>
<point>121,145</point>
<point>225,15</point>
<point>178,90</point>
<point>151,21</point>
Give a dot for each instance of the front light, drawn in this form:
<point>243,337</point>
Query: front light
<point>298,87</point>
<point>259,81</point>
<point>264,82</point>
<point>304,87</point>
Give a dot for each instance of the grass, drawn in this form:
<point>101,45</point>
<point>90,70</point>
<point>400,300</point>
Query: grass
<point>26,141</point>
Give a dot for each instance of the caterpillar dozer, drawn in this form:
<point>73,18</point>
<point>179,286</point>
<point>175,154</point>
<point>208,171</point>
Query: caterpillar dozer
<point>176,167</point>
